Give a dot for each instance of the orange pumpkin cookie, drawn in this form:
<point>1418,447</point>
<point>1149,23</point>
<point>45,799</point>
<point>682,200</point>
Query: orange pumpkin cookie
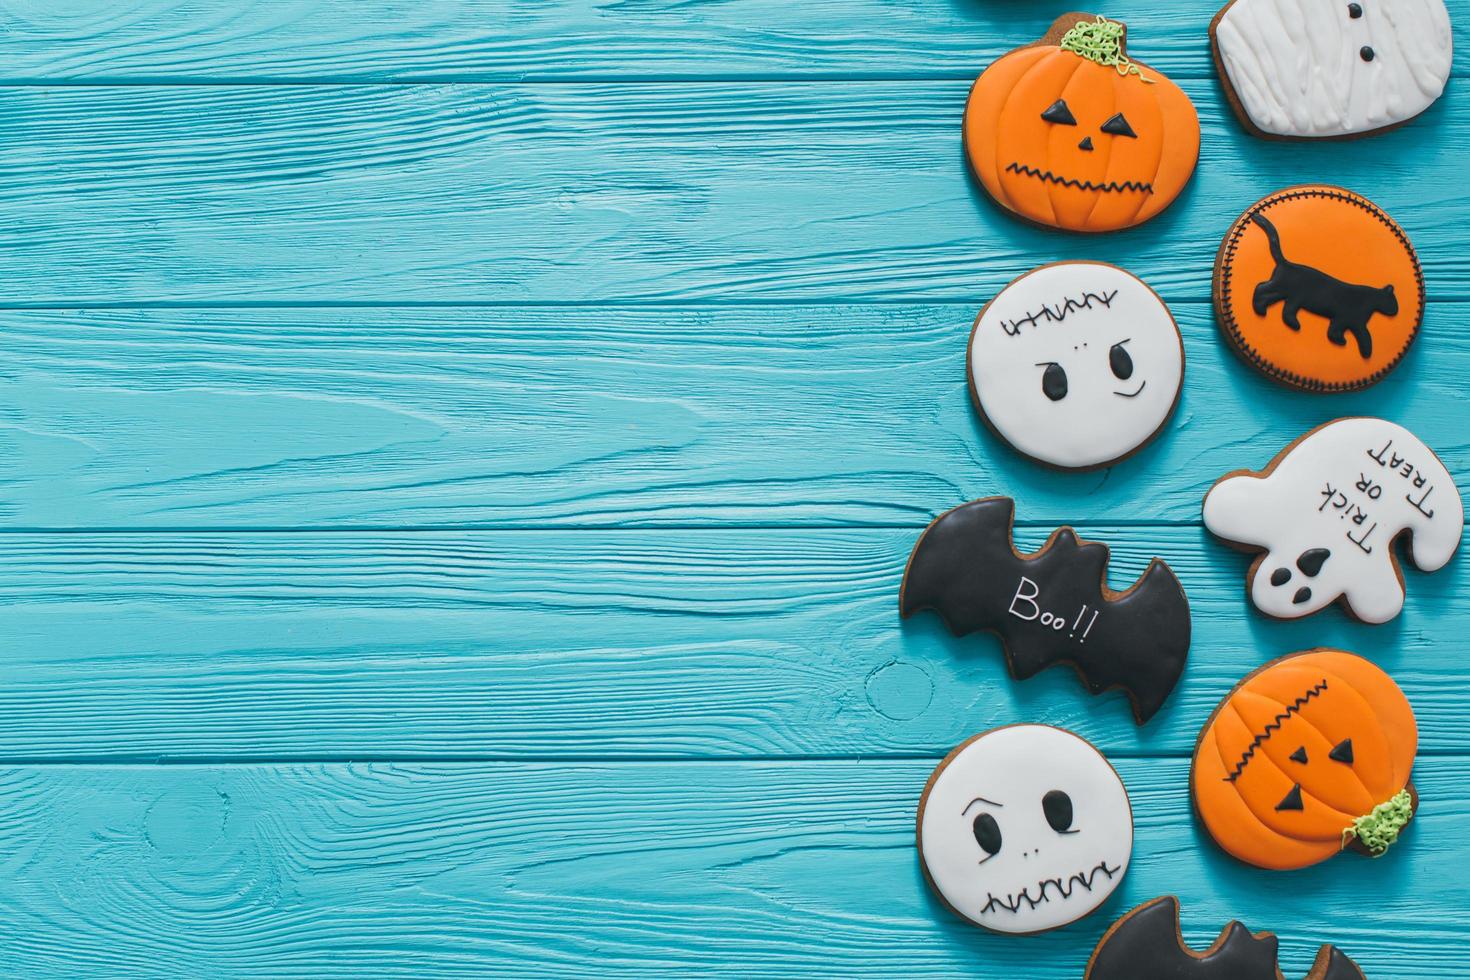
<point>1309,755</point>
<point>1318,288</point>
<point>1068,132</point>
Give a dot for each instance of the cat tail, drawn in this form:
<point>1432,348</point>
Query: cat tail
<point>1271,236</point>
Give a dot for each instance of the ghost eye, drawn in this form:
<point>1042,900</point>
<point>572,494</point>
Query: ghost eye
<point>1053,381</point>
<point>987,834</point>
<point>1120,362</point>
<point>1058,113</point>
<point>1058,809</point>
<point>1118,126</point>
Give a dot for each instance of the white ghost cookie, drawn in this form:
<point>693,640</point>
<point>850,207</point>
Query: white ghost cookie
<point>1076,364</point>
<point>1303,69</point>
<point>1327,512</point>
<point>1024,829</point>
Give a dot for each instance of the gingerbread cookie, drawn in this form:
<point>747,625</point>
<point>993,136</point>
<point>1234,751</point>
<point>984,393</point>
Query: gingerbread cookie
<point>1024,829</point>
<point>1076,364</point>
<point>1053,606</point>
<point>1146,945</point>
<point>1318,288</point>
<point>1069,133</point>
<point>1309,755</point>
<point>1327,512</point>
<point>1312,69</point>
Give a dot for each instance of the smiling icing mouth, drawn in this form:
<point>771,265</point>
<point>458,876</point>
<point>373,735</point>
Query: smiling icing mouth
<point>1111,186</point>
<point>1132,394</point>
<point>1063,889</point>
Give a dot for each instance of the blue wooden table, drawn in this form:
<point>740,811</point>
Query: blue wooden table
<point>457,460</point>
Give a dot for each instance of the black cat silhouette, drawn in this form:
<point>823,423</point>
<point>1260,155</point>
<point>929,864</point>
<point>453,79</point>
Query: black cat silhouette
<point>1347,306</point>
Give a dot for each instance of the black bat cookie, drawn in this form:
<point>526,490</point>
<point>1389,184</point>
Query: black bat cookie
<point>1053,606</point>
<point>1146,943</point>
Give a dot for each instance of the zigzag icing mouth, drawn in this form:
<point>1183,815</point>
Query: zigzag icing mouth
<point>1108,187</point>
<point>1273,725</point>
<point>1063,890</point>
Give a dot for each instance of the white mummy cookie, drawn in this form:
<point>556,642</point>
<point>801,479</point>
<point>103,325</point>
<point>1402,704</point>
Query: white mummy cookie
<point>1327,511</point>
<point>1024,829</point>
<point>1329,68</point>
<point>1076,364</point>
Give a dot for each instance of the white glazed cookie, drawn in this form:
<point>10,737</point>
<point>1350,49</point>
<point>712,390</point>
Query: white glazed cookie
<point>1076,364</point>
<point>1332,68</point>
<point>1327,510</point>
<point>1024,829</point>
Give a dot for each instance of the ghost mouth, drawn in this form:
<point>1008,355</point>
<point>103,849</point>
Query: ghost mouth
<point>1107,186</point>
<point>1132,394</point>
<point>1046,887</point>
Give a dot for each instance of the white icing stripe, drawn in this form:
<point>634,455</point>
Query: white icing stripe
<point>1297,67</point>
<point>1328,514</point>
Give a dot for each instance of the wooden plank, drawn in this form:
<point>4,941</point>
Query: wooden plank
<point>674,193</point>
<point>385,40</point>
<point>725,870</point>
<point>530,417</point>
<point>594,644</point>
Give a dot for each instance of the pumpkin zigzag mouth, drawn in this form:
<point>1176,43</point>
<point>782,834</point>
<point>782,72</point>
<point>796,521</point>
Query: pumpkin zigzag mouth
<point>1109,187</point>
<point>1064,889</point>
<point>1274,725</point>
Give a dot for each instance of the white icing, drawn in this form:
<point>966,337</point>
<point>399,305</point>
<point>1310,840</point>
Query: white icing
<point>1350,487</point>
<point>1097,422</point>
<point>1013,769</point>
<point>1296,67</point>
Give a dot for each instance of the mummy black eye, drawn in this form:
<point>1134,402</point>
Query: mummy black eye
<point>987,834</point>
<point>1120,362</point>
<point>1058,809</point>
<point>1058,113</point>
<point>1118,126</point>
<point>1054,382</point>
<point>1366,53</point>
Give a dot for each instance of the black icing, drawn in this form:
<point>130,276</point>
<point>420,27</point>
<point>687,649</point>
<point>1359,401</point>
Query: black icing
<point>965,568</point>
<point>1058,809</point>
<point>1054,382</point>
<point>1117,125</point>
<point>1342,752</point>
<point>1312,560</point>
<point>1058,113</point>
<point>1086,144</point>
<point>1346,306</point>
<point>1281,576</point>
<point>1300,755</point>
<point>1366,53</point>
<point>1120,361</point>
<point>1355,11</point>
<point>1145,945</point>
<point>1303,594</point>
<point>1292,800</point>
<point>987,833</point>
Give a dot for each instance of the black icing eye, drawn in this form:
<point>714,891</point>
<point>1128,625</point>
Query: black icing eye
<point>1366,53</point>
<point>1355,10</point>
<point>1058,113</point>
<point>1120,362</point>
<point>1058,809</point>
<point>987,834</point>
<point>1299,756</point>
<point>1118,126</point>
<point>1292,800</point>
<point>1342,752</point>
<point>1054,382</point>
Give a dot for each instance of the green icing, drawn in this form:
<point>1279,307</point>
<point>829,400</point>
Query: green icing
<point>1378,831</point>
<point>1101,41</point>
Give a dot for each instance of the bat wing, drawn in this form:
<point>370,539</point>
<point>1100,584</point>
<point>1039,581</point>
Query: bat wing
<point>1146,642</point>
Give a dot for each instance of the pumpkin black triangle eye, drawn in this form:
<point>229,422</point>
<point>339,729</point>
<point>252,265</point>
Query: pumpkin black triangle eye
<point>1118,126</point>
<point>1058,113</point>
<point>1342,752</point>
<point>1300,755</point>
<point>1292,800</point>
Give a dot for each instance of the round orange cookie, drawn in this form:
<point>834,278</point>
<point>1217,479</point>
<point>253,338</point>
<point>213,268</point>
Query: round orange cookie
<point>1307,756</point>
<point>1318,288</point>
<point>1067,132</point>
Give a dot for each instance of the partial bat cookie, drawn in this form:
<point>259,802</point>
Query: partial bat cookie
<point>1025,828</point>
<point>1318,288</point>
<point>1053,606</point>
<point>1328,512</point>
<point>1076,364</point>
<point>1146,945</point>
<point>1308,756</point>
<point>1312,69</point>
<point>1069,133</point>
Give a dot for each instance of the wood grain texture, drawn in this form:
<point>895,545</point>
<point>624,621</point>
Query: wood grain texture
<point>533,417</point>
<point>583,644</point>
<point>394,40</point>
<point>720,870</point>
<point>674,193</point>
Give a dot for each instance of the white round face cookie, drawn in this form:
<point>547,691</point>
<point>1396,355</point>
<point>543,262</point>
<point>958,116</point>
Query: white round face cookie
<point>1076,364</point>
<point>1025,828</point>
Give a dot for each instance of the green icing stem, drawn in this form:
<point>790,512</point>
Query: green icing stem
<point>1380,829</point>
<point>1101,41</point>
